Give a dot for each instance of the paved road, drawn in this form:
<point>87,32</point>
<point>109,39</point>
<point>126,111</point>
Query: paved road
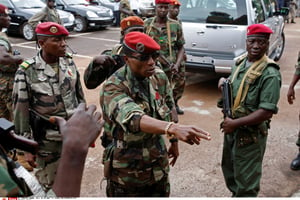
<point>197,172</point>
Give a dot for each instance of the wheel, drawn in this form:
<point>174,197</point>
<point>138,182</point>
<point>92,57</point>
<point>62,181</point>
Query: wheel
<point>80,24</point>
<point>280,48</point>
<point>27,31</point>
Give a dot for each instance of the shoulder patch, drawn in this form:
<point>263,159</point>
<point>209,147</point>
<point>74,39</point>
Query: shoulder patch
<point>25,64</point>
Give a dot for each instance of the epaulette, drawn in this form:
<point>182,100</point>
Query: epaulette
<point>25,64</point>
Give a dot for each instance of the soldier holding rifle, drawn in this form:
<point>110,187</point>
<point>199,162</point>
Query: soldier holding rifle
<point>256,83</point>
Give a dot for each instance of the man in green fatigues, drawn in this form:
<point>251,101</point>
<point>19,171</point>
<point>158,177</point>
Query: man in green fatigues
<point>125,9</point>
<point>295,165</point>
<point>256,83</point>
<point>47,14</point>
<point>163,29</point>
<point>8,67</point>
<point>102,66</point>
<point>46,85</point>
<point>137,102</point>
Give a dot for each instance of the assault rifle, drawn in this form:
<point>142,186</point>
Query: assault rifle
<point>227,98</point>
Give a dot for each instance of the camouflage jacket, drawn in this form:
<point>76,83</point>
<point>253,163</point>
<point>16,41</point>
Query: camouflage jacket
<point>297,72</point>
<point>160,35</point>
<point>45,15</point>
<point>125,4</point>
<point>38,87</point>
<point>93,77</point>
<point>7,72</point>
<point>142,157</point>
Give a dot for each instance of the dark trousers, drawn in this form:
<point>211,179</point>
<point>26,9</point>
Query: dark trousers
<point>117,17</point>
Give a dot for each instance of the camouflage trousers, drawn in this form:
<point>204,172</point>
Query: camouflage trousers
<point>47,160</point>
<point>177,82</point>
<point>158,189</point>
<point>298,141</point>
<point>6,104</point>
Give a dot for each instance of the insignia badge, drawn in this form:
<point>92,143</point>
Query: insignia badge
<point>140,47</point>
<point>53,29</point>
<point>70,72</point>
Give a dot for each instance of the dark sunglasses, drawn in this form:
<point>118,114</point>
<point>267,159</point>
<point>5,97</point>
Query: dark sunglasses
<point>146,57</point>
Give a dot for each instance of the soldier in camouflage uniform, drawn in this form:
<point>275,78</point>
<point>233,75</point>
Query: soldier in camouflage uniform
<point>47,14</point>
<point>46,85</point>
<point>8,67</point>
<point>80,130</point>
<point>102,66</point>
<point>256,83</point>
<point>136,102</point>
<point>163,29</point>
<point>125,9</point>
<point>295,165</point>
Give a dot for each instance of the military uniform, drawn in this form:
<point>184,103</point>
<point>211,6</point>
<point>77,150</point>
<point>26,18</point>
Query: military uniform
<point>125,4</point>
<point>7,73</point>
<point>42,90</point>
<point>177,40</point>
<point>135,162</point>
<point>45,15</point>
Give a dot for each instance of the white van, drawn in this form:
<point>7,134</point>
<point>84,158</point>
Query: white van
<point>215,31</point>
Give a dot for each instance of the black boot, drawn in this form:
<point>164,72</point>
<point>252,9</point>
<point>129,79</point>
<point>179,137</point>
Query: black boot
<point>295,165</point>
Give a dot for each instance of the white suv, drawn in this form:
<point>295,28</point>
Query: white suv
<point>215,31</point>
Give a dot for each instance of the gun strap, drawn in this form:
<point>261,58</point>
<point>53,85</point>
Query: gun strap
<point>251,75</point>
<point>169,39</point>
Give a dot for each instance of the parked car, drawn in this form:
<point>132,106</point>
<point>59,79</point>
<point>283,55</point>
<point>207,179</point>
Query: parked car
<point>146,8</point>
<point>106,3</point>
<point>21,11</point>
<point>215,31</point>
<point>86,15</point>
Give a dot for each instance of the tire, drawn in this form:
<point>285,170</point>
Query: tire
<point>80,24</point>
<point>27,31</point>
<point>280,47</point>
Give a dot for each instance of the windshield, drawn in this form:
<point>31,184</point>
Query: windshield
<point>214,11</point>
<point>76,2</point>
<point>28,4</point>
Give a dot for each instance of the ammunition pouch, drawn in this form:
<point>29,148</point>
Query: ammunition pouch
<point>39,127</point>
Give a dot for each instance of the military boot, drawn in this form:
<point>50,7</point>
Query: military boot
<point>21,159</point>
<point>295,165</point>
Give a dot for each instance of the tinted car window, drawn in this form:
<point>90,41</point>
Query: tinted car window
<point>214,11</point>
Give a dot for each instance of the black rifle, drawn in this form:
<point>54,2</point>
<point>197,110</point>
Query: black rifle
<point>227,98</point>
<point>9,140</point>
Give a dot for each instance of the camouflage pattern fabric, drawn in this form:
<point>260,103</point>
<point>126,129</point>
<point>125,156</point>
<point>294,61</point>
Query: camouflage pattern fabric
<point>7,73</point>
<point>161,37</point>
<point>45,15</point>
<point>39,88</point>
<point>125,4</point>
<point>94,77</point>
<point>135,158</point>
<point>297,72</point>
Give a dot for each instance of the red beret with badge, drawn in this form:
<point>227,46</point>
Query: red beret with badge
<point>131,21</point>
<point>51,29</point>
<point>162,1</point>
<point>175,3</point>
<point>3,9</point>
<point>258,29</point>
<point>140,43</point>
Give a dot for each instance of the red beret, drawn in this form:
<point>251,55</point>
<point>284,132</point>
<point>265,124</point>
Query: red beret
<point>258,29</point>
<point>162,1</point>
<point>140,43</point>
<point>3,9</point>
<point>132,21</point>
<point>51,29</point>
<point>175,3</point>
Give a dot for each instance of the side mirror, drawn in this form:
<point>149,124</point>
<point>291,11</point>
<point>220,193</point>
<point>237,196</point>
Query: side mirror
<point>284,11</point>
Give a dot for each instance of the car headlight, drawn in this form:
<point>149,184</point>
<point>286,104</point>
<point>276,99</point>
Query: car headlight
<point>91,14</point>
<point>71,18</point>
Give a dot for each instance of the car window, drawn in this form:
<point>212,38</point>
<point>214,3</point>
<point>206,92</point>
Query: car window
<point>28,4</point>
<point>214,11</point>
<point>259,11</point>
